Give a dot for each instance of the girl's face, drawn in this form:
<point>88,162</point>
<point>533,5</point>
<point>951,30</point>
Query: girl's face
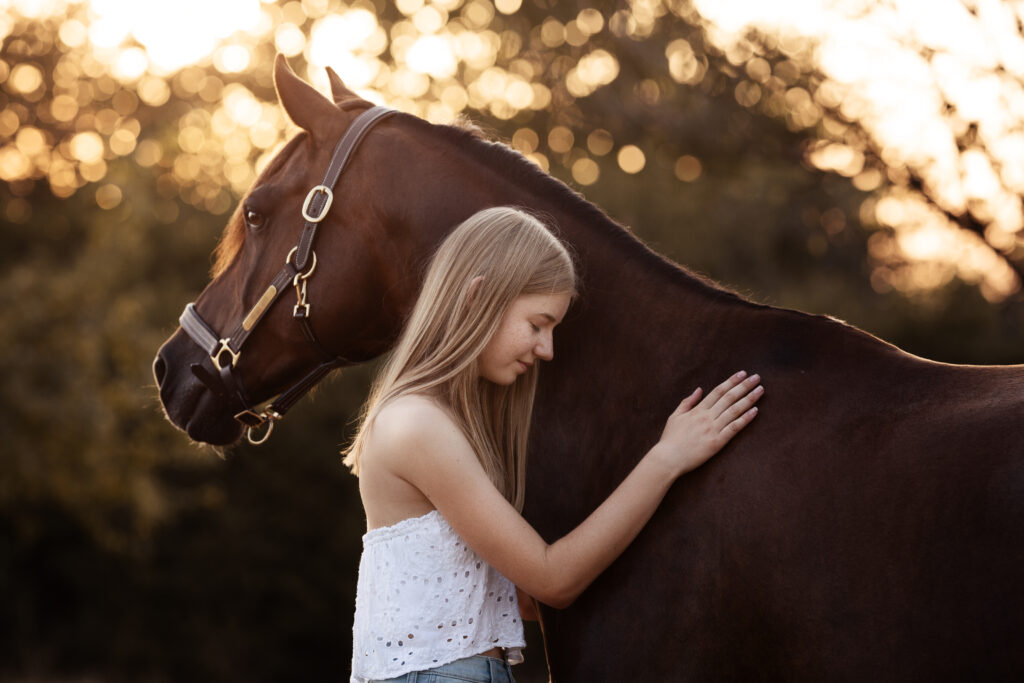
<point>523,336</point>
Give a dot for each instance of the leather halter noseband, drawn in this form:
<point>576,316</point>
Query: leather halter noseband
<point>224,352</point>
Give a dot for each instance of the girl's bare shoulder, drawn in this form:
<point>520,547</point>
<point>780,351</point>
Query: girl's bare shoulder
<point>410,410</point>
<point>413,422</point>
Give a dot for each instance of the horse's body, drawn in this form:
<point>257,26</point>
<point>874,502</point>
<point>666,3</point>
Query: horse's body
<point>868,525</point>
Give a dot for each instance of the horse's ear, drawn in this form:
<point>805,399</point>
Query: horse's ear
<point>306,107</point>
<point>338,89</point>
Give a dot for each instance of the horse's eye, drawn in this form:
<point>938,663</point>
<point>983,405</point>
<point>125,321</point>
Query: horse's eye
<point>253,218</point>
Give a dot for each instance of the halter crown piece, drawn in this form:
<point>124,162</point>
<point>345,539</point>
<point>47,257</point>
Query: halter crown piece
<point>299,265</point>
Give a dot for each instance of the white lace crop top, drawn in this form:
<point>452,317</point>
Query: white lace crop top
<point>424,598</point>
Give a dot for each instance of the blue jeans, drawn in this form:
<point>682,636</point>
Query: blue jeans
<point>475,669</point>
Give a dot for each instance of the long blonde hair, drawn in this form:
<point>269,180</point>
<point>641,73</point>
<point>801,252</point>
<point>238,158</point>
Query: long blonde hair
<point>437,353</point>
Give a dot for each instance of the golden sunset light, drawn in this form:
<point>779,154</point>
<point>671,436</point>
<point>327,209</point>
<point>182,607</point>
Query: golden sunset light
<point>914,108</point>
<point>927,91</point>
<point>825,194</point>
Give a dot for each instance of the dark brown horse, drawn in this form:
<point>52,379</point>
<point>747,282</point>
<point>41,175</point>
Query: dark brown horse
<point>868,526</point>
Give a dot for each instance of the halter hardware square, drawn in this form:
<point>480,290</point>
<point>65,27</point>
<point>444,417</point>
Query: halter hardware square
<point>224,346</point>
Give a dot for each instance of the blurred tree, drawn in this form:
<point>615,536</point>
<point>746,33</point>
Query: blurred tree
<point>920,105</point>
<point>574,88</point>
<point>128,131</point>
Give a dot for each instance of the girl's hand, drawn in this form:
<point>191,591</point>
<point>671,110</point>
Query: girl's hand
<point>696,431</point>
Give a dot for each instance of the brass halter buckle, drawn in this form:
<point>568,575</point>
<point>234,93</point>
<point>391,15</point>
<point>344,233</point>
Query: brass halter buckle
<point>309,200</point>
<point>224,346</point>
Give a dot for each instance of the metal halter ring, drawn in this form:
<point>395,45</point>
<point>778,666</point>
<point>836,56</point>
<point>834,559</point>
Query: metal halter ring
<point>257,420</point>
<point>266,435</point>
<point>300,276</point>
<point>309,200</point>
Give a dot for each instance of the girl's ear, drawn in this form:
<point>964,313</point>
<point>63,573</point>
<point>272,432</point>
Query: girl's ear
<point>474,286</point>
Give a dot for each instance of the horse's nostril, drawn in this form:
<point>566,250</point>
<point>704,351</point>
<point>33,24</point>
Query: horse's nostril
<point>159,369</point>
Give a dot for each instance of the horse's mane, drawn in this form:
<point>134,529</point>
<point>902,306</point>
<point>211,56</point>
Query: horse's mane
<point>531,177</point>
<point>494,153</point>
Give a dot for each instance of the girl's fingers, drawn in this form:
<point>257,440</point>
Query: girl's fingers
<point>734,394</point>
<point>689,402</point>
<point>720,391</point>
<point>734,427</point>
<point>740,407</point>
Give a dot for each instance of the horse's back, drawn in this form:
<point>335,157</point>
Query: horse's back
<point>882,534</point>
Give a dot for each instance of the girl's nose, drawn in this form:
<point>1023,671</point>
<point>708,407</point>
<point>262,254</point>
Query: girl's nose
<point>545,349</point>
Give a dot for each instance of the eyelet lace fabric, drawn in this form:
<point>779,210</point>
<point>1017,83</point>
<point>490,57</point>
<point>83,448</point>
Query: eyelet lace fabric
<point>424,598</point>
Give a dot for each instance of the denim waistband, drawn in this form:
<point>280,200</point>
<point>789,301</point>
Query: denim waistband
<point>475,669</point>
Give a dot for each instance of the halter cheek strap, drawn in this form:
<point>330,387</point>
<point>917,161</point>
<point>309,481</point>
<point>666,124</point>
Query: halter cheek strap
<point>299,265</point>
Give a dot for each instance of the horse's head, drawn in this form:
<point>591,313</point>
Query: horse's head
<point>357,276</point>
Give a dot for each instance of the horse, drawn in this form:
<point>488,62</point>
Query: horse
<point>869,523</point>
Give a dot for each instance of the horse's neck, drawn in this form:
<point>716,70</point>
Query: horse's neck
<point>643,329</point>
<point>633,302</point>
<point>620,275</point>
<point>624,285</point>
<point>642,334</point>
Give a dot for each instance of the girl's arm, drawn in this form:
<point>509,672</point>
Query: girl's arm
<point>416,440</point>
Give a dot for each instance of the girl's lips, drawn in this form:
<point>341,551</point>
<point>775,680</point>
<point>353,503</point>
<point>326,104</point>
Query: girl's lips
<point>523,365</point>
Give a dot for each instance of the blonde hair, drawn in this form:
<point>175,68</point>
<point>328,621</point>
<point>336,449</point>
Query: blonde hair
<point>437,353</point>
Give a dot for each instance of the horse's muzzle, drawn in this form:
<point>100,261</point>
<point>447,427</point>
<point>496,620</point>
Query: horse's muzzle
<point>188,403</point>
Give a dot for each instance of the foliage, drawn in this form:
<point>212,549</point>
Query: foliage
<point>129,553</point>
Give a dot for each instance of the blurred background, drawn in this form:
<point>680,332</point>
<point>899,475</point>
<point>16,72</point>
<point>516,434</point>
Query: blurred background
<point>859,158</point>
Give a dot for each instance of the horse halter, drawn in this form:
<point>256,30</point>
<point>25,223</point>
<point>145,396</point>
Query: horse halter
<point>224,352</point>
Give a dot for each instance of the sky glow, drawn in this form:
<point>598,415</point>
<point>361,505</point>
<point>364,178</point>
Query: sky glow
<point>171,32</point>
<point>937,89</point>
<point>874,55</point>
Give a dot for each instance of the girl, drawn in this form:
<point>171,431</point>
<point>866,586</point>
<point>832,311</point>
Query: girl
<point>441,457</point>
